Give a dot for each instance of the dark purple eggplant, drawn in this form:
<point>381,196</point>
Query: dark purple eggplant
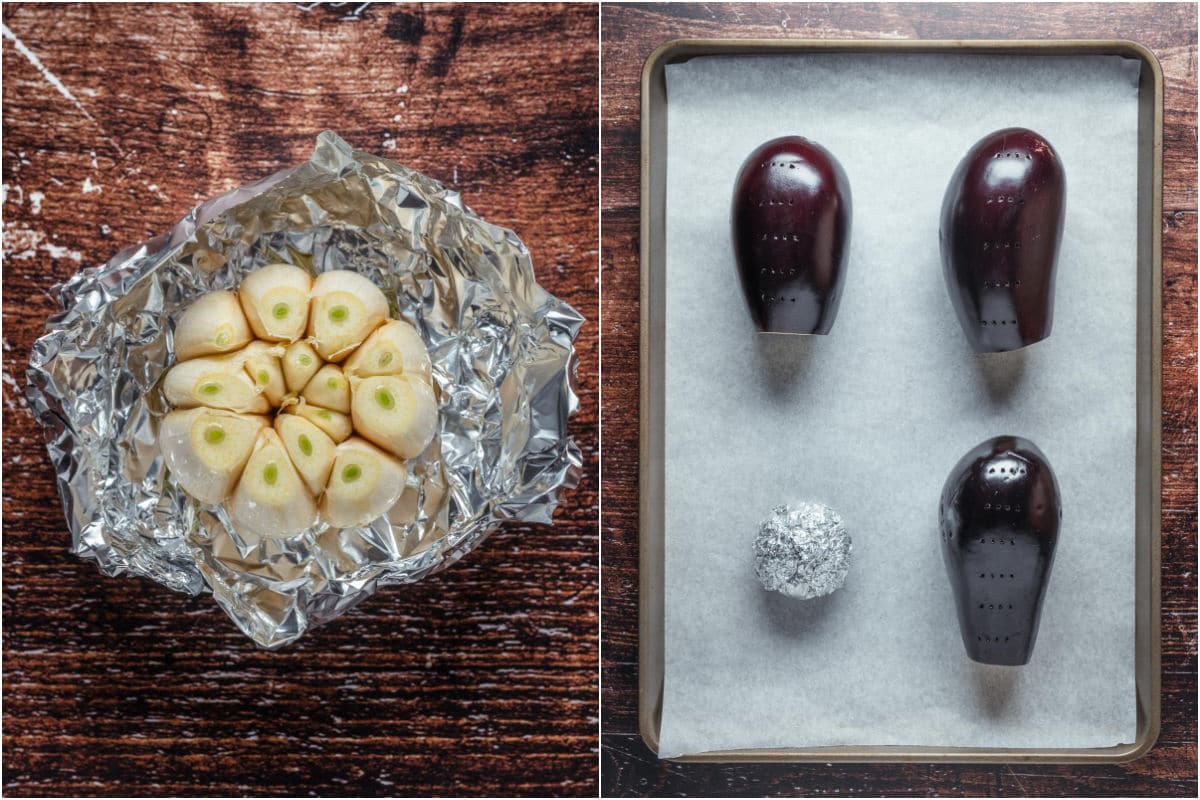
<point>1000,514</point>
<point>791,235</point>
<point>1002,220</point>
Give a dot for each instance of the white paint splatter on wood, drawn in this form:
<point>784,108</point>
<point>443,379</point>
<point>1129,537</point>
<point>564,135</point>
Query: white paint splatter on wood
<point>52,79</point>
<point>22,244</point>
<point>5,188</point>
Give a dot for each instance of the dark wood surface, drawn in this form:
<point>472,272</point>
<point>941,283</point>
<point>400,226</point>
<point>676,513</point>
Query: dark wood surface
<point>629,33</point>
<point>480,680</point>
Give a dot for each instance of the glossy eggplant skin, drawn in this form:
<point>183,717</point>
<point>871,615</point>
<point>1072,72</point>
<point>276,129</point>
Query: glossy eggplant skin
<point>1002,220</point>
<point>1000,516</point>
<point>791,234</point>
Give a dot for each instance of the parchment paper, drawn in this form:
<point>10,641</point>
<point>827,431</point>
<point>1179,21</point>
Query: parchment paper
<point>871,419</point>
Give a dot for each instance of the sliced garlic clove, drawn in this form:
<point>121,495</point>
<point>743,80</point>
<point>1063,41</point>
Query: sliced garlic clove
<point>217,382</point>
<point>205,449</point>
<point>300,363</point>
<point>334,423</point>
<point>392,349</point>
<point>270,498</point>
<point>346,308</point>
<point>212,324</point>
<point>275,299</point>
<point>329,389</point>
<point>396,412</point>
<point>365,483</point>
<point>310,449</point>
<point>267,373</point>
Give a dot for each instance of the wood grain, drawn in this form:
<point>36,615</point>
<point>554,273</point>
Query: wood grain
<point>629,33</point>
<point>479,681</point>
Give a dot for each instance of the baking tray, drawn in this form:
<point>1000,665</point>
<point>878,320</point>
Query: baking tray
<point>1149,395</point>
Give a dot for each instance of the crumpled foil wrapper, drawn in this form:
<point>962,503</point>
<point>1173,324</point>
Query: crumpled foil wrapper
<point>504,365</point>
<point>802,551</point>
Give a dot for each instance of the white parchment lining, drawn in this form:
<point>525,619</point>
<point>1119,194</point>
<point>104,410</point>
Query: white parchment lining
<point>871,419</point>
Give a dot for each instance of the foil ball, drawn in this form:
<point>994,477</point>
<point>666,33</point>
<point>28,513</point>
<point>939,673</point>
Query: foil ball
<point>802,551</point>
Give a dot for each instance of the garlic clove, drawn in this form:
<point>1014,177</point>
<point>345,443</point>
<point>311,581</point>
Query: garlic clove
<point>266,372</point>
<point>346,308</point>
<point>275,299</point>
<point>217,382</point>
<point>300,363</point>
<point>336,424</point>
<point>205,449</point>
<point>270,499</point>
<point>365,483</point>
<point>397,412</point>
<point>310,449</point>
<point>214,323</point>
<point>394,348</point>
<point>329,389</point>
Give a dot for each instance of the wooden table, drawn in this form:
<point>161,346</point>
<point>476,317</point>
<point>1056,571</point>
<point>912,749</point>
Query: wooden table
<point>629,34</point>
<point>480,680</point>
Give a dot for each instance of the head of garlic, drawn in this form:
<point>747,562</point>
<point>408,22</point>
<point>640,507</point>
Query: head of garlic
<point>350,392</point>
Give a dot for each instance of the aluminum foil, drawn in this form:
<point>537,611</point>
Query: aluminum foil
<point>802,551</point>
<point>504,366</point>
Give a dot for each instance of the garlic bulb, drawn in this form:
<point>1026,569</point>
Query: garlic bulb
<point>351,400</point>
